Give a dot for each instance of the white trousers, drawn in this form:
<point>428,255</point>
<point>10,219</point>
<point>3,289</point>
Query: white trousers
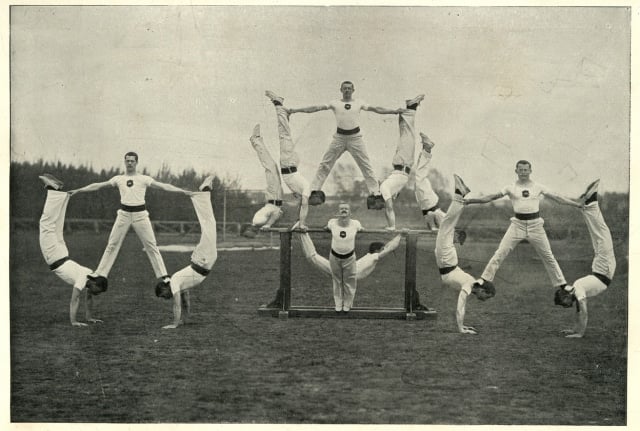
<point>51,238</point>
<point>533,231</point>
<point>355,146</point>
<point>206,252</point>
<point>446,254</point>
<point>271,170</point>
<point>343,275</point>
<point>604,261</point>
<point>288,155</point>
<point>52,242</point>
<point>425,196</point>
<point>141,224</point>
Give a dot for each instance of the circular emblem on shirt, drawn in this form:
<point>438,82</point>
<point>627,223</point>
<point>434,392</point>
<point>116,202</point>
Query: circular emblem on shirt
<point>343,234</point>
<point>129,183</point>
<point>347,106</point>
<point>525,193</point>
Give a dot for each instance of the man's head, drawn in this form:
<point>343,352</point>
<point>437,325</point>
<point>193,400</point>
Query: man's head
<point>483,291</point>
<point>347,89</point>
<point>376,247</point>
<point>163,290</point>
<point>96,285</point>
<point>564,298</point>
<point>344,210</point>
<point>131,162</point>
<point>523,170</point>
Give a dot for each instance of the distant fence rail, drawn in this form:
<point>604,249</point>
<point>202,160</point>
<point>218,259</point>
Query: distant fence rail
<point>177,227</point>
<point>480,230</point>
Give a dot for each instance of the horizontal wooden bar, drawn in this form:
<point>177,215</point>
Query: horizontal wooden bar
<point>403,232</point>
<point>354,313</point>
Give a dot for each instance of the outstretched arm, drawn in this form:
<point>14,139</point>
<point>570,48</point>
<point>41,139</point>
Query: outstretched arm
<point>177,312</point>
<point>582,316</point>
<point>460,310</point>
<point>562,200</point>
<point>186,305</point>
<point>90,188</point>
<point>390,246</point>
<point>73,307</point>
<point>309,109</point>
<point>88,308</point>
<point>381,110</point>
<point>483,199</point>
<point>169,188</point>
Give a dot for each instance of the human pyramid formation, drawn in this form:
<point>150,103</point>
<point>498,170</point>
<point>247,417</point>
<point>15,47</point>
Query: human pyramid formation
<point>342,264</point>
<point>348,137</point>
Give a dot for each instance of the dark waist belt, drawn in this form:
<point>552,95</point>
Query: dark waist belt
<point>528,216</point>
<point>200,270</point>
<point>404,168</point>
<point>603,278</point>
<point>433,208</point>
<point>132,209</point>
<point>342,256</point>
<point>289,170</point>
<point>348,132</point>
<point>58,263</point>
<point>276,202</point>
<point>446,270</point>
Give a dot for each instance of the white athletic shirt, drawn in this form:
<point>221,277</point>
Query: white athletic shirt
<point>185,279</point>
<point>73,273</point>
<point>525,199</point>
<point>343,239</point>
<point>347,113</point>
<point>132,188</point>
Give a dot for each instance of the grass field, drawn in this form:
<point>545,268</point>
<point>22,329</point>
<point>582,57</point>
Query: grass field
<point>228,365</point>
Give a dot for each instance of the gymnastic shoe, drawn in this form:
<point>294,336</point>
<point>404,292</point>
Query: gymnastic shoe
<point>275,99</point>
<point>427,144</point>
<point>51,182</point>
<point>375,202</point>
<point>415,101</point>
<point>591,194</point>
<point>317,197</point>
<point>460,187</point>
<point>207,184</point>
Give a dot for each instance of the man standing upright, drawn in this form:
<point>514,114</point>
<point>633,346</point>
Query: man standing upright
<point>132,212</point>
<point>342,259</point>
<point>526,223</point>
<point>347,138</point>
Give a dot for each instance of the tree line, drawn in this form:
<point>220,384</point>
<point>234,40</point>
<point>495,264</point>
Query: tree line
<point>27,195</point>
<point>27,198</point>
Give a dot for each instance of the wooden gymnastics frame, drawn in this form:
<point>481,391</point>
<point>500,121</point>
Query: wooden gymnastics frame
<point>410,293</point>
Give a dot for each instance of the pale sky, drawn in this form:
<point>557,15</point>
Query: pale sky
<point>185,85</point>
